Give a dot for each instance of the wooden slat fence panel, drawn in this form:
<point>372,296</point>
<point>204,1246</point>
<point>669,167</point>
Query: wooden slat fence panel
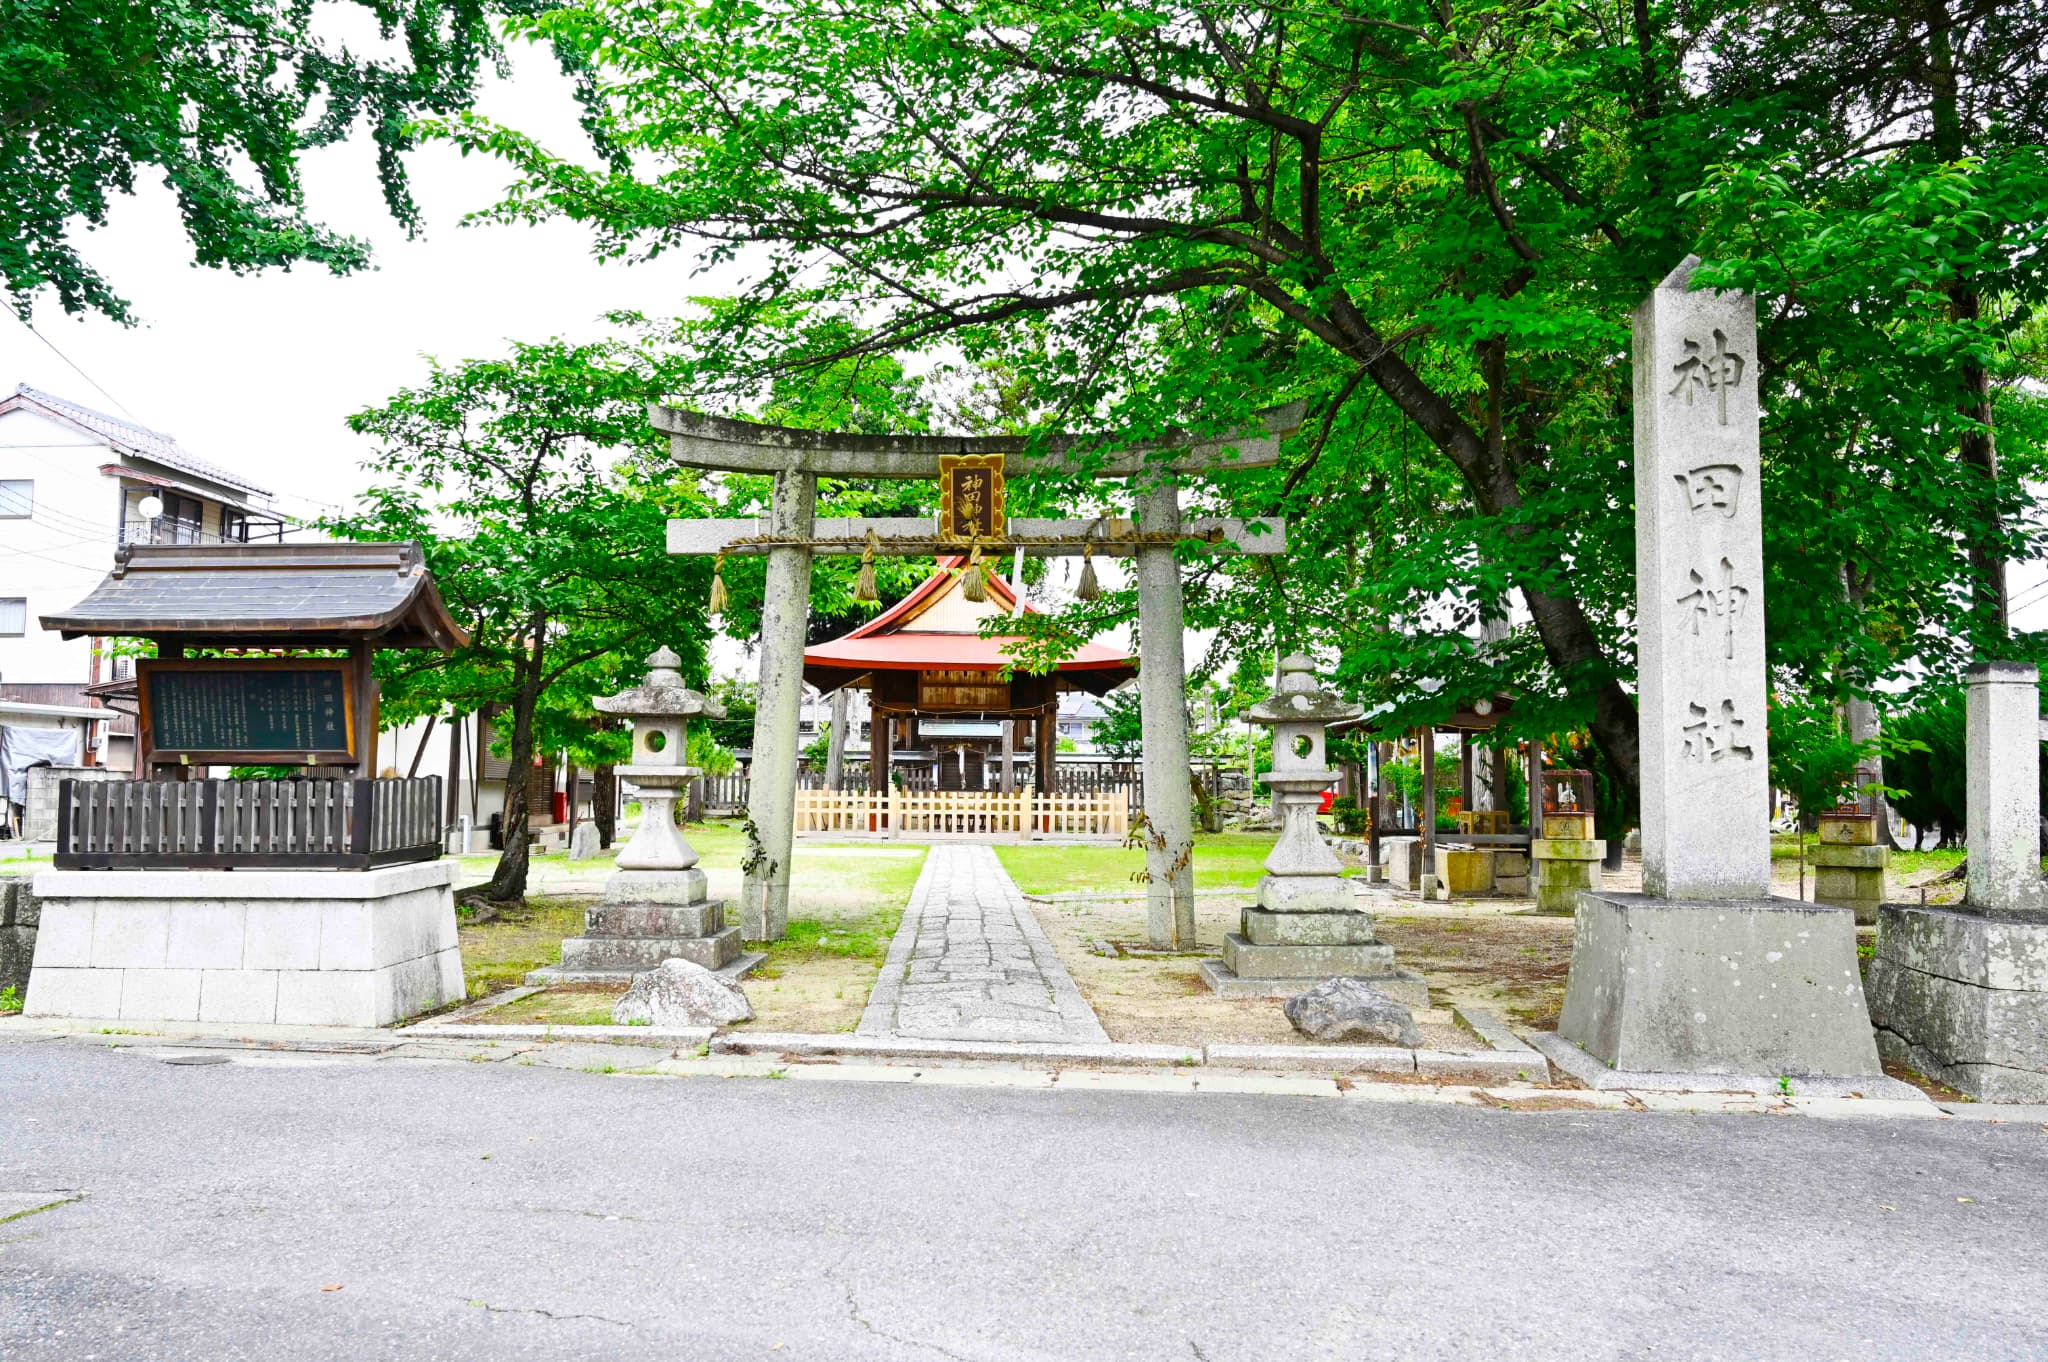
<point>221,824</point>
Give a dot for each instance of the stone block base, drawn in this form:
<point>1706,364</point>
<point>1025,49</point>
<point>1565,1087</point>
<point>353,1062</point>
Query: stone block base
<point>1463,870</point>
<point>1850,877</point>
<point>1404,986</point>
<point>20,912</point>
<point>1347,928</point>
<point>1250,961</point>
<point>1306,894</point>
<point>1963,997</point>
<point>739,967</point>
<point>643,921</point>
<point>1563,871</point>
<point>1752,986</point>
<point>305,947</point>
<point>630,955</point>
<point>1404,862</point>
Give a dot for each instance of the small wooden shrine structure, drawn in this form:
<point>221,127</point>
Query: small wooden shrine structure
<point>936,687</point>
<point>263,658</point>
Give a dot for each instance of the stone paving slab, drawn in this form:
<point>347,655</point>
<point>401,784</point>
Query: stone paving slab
<point>971,963</point>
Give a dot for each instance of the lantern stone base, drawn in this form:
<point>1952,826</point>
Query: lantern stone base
<point>1403,986</point>
<point>1308,894</point>
<point>1280,954</point>
<point>1748,986</point>
<point>1962,996</point>
<point>292,947</point>
<point>646,917</point>
<point>1565,868</point>
<point>1850,877</point>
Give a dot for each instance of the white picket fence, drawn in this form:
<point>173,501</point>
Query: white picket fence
<point>978,815</point>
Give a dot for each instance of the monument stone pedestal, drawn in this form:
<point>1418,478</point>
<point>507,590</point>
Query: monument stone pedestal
<point>1761,986</point>
<point>290,947</point>
<point>1961,994</point>
<point>1704,972</point>
<point>1306,926</point>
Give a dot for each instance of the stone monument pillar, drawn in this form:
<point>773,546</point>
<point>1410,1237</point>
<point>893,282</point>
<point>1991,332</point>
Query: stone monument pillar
<point>771,798</point>
<point>1307,925</point>
<point>654,907</point>
<point>1163,716</point>
<point>1704,971</point>
<point>1849,863</point>
<point>1961,994</point>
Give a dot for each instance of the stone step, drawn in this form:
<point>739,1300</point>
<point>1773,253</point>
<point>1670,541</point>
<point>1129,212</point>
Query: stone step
<point>1264,928</point>
<point>1404,986</point>
<point>584,953</point>
<point>1249,961</point>
<point>705,918</point>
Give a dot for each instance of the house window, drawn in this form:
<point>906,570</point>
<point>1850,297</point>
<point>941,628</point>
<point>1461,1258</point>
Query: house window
<point>234,526</point>
<point>17,498</point>
<point>13,616</point>
<point>181,521</point>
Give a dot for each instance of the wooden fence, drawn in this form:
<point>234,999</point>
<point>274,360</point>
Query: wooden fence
<point>967,814</point>
<point>230,824</point>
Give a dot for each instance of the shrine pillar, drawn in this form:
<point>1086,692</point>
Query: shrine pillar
<point>785,618</point>
<point>1162,682</point>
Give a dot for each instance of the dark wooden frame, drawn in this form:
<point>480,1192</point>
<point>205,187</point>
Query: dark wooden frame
<point>352,690</point>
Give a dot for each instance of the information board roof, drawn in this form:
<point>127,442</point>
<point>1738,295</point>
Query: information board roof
<point>267,594</point>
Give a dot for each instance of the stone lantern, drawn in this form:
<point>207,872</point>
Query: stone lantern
<point>660,708</point>
<point>654,906</point>
<point>1306,926</point>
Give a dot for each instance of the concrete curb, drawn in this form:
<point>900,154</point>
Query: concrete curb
<point>670,1037</point>
<point>1570,1059</point>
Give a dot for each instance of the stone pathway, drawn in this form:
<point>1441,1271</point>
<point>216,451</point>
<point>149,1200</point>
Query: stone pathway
<point>971,963</point>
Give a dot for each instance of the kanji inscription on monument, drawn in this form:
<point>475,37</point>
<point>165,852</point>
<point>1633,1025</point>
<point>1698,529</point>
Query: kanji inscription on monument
<point>1699,578</point>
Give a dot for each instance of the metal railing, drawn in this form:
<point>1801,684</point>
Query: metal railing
<point>306,824</point>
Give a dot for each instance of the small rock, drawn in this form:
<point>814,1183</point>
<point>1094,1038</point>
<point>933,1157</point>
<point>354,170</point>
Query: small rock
<point>584,843</point>
<point>1351,1010</point>
<point>680,993</point>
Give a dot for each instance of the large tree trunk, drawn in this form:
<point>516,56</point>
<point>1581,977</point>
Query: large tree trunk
<point>1977,448</point>
<point>508,882</point>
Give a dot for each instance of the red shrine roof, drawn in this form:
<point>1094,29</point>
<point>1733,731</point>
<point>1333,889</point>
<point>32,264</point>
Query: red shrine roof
<point>933,629</point>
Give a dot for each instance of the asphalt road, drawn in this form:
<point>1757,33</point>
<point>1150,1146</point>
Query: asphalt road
<point>297,1208</point>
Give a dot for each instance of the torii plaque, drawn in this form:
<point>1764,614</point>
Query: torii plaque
<point>792,533</point>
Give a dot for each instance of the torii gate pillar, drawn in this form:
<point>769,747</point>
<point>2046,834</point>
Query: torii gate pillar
<point>778,710</point>
<point>1163,716</point>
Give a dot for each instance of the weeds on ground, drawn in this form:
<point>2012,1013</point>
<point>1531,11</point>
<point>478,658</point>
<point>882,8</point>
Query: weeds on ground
<point>10,999</point>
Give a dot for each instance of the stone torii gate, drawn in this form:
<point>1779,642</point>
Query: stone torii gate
<point>792,533</point>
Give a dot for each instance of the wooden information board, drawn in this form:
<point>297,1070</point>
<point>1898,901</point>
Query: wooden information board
<point>296,710</point>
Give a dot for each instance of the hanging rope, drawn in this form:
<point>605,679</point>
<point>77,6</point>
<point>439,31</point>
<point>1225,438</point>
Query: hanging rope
<point>719,599</point>
<point>975,586</point>
<point>864,586</point>
<point>1089,589</point>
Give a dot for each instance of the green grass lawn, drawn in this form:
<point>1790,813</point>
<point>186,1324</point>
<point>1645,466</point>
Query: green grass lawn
<point>846,902</point>
<point>1223,860</point>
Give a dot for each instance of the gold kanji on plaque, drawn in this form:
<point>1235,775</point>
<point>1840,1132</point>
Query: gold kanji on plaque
<point>971,497</point>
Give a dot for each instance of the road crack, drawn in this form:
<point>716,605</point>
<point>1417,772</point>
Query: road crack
<point>488,1308</point>
<point>853,1309</point>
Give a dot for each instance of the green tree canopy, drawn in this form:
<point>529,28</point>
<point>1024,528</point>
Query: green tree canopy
<point>541,493</point>
<point>220,98</point>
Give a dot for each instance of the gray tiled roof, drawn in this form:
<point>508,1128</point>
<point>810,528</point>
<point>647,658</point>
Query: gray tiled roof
<point>139,441</point>
<point>271,591</point>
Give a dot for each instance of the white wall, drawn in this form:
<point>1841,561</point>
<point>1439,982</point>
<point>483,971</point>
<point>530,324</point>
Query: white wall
<point>59,554</point>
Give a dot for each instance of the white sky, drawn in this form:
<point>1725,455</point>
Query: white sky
<point>258,372</point>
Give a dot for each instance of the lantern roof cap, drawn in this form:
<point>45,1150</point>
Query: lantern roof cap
<point>1301,699</point>
<point>661,696</point>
